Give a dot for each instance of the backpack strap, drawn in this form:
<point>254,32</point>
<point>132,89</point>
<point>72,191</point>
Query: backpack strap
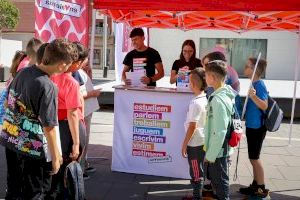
<point>225,145</point>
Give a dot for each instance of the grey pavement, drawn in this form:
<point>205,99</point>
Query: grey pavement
<point>281,161</point>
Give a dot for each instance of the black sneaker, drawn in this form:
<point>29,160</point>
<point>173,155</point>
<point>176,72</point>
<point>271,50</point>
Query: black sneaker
<point>86,177</point>
<point>248,190</point>
<point>261,193</point>
<point>207,188</point>
<point>90,169</point>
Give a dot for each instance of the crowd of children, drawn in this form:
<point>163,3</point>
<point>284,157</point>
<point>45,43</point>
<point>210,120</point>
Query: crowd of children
<point>44,124</point>
<point>206,141</point>
<point>50,100</point>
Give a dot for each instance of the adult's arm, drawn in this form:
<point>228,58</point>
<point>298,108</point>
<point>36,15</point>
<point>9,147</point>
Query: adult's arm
<point>126,68</point>
<point>173,77</point>
<point>160,73</point>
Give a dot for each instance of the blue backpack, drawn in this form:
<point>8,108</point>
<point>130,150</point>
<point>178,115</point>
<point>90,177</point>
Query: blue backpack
<point>272,116</point>
<point>73,182</point>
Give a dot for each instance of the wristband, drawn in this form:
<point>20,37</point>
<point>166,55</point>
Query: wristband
<point>150,79</point>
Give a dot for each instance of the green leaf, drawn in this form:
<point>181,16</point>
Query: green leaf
<point>9,15</point>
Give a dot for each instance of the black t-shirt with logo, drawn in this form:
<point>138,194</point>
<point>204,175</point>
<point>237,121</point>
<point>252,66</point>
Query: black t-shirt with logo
<point>145,59</point>
<point>182,63</point>
<point>31,105</point>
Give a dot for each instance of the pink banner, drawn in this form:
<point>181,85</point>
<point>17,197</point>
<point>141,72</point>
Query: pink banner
<point>57,19</point>
<point>126,47</point>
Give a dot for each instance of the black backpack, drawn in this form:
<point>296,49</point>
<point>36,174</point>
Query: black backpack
<point>73,182</point>
<point>272,116</point>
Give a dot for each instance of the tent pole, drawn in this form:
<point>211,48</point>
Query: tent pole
<point>250,86</point>
<point>105,67</point>
<point>92,37</point>
<point>295,88</point>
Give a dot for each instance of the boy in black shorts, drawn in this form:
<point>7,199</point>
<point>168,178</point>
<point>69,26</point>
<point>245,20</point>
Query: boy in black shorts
<point>255,129</point>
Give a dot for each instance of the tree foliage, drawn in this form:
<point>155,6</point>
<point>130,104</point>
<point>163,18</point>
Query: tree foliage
<point>9,15</point>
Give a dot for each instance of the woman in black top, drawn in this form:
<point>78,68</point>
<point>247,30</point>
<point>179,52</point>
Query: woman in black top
<point>187,59</point>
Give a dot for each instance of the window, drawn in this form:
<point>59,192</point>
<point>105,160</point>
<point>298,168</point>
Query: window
<point>237,50</point>
<point>97,57</point>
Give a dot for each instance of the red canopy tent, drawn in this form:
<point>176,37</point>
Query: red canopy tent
<point>234,15</point>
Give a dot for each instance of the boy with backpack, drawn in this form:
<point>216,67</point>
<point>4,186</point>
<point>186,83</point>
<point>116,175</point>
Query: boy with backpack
<point>219,111</point>
<point>192,146</point>
<point>29,125</point>
<point>255,128</point>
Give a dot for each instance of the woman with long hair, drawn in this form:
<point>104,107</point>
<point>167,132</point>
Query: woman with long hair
<point>187,60</point>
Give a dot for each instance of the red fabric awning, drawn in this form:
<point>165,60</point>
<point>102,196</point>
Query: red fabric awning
<point>234,15</point>
<point>199,5</point>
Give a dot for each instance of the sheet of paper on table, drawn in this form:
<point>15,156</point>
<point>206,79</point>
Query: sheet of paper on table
<point>135,77</point>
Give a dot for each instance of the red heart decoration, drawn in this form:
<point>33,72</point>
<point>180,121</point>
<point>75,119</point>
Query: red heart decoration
<point>73,37</point>
<point>45,35</point>
<point>53,26</point>
<point>63,28</point>
<point>42,17</point>
<point>81,23</point>
<point>84,40</point>
<point>59,15</point>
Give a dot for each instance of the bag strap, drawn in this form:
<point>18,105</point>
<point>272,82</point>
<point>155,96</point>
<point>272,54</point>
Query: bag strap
<point>225,145</point>
<point>235,175</point>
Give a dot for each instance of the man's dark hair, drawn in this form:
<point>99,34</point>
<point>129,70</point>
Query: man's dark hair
<point>40,53</point>
<point>136,32</point>
<point>261,66</point>
<point>32,47</point>
<point>83,53</point>
<point>217,55</point>
<point>60,50</point>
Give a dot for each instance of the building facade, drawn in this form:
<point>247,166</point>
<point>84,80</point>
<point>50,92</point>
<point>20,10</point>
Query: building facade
<point>25,31</point>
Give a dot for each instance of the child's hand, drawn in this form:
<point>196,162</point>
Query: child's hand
<point>252,92</point>
<point>183,151</point>
<point>95,93</point>
<point>206,161</point>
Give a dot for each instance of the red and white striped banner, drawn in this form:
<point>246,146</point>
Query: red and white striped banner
<point>57,19</point>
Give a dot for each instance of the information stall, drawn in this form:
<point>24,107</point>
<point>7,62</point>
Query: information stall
<point>149,131</point>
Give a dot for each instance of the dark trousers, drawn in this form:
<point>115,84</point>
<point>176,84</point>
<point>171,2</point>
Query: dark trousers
<point>27,178</point>
<point>14,175</point>
<point>57,186</point>
<point>219,176</point>
<point>36,178</point>
<point>196,162</point>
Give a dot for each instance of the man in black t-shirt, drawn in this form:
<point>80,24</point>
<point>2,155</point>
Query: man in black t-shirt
<point>28,131</point>
<point>142,57</point>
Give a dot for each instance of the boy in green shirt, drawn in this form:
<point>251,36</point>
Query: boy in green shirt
<point>220,109</point>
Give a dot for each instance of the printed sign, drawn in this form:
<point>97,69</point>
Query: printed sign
<point>62,7</point>
<point>148,133</point>
<point>61,19</point>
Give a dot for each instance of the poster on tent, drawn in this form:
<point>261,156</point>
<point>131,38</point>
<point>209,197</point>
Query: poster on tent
<point>61,19</point>
<point>123,46</point>
<point>148,133</point>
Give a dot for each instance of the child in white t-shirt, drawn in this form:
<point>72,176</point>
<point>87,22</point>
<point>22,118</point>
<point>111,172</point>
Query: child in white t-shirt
<point>90,105</point>
<point>193,143</point>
